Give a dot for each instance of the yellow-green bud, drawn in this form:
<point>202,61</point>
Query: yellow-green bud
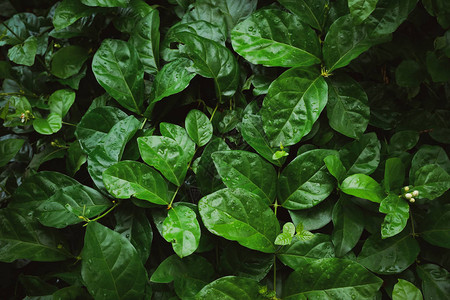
<point>406,188</point>
<point>408,196</point>
<point>412,200</point>
<point>415,193</point>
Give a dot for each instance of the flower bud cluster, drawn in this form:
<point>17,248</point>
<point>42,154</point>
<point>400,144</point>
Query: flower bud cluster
<point>409,195</point>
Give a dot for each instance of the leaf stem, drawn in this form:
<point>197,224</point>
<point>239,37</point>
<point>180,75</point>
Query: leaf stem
<point>102,215</point>
<point>275,275</point>
<point>412,224</point>
<point>214,112</point>
<point>70,124</point>
<point>173,197</point>
<point>143,123</point>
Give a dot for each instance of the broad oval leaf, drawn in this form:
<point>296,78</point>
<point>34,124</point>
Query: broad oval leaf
<point>397,214</point>
<point>315,217</point>
<point>276,38</point>
<point>335,167</point>
<point>107,274</point>
<point>182,229</point>
<point>406,290</point>
<point>426,155</point>
<point>431,181</point>
<point>246,170</point>
<point>106,3</point>
<point>311,12</point>
<point>348,106</point>
<point>394,174</point>
<point>61,101</point>
<point>361,156</point>
<point>389,256</point>
<point>50,125</point>
<point>331,278</point>
<point>361,9</point>
<point>68,12</point>
<point>363,186</point>
<point>435,281</point>
<point>9,149</point>
<point>68,61</point>
<point>199,127</point>
<point>24,53</point>
<point>292,105</point>
<point>403,141</point>
<point>435,226</point>
<point>127,179</point>
<point>22,237</point>
<point>119,71</point>
<point>305,182</point>
<point>230,288</point>
<point>241,216</point>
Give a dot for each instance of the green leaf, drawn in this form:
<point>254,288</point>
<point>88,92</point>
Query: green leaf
<point>348,221</point>
<point>173,78</point>
<point>397,214</point>
<point>132,223</point>
<point>435,226</point>
<point>276,38</point>
<point>241,216</point>
<point>50,125</point>
<point>426,155</point>
<point>389,256</point>
<point>403,141</point>
<point>211,60</point>
<point>409,74</point>
<point>435,281</point>
<point>292,105</point>
<point>70,292</point>
<point>107,274</point>
<point>199,127</point>
<point>335,167</point>
<point>315,217</point>
<point>362,186</point>
<point>437,67</point>
<point>75,158</point>
<point>230,288</point>
<point>305,182</point>
<point>406,290</point>
<point>253,133</point>
<point>106,3</point>
<point>348,280</point>
<point>68,12</point>
<point>96,124</point>
<point>431,181</point>
<point>131,15</point>
<point>68,61</point>
<point>9,149</point>
<point>361,9</point>
<point>24,53</point>
<point>145,39</point>
<point>311,12</point>
<point>394,174</point>
<point>22,237</point>
<point>348,107</point>
<point>301,252</point>
<point>61,101</point>
<point>361,156</point>
<point>181,228</point>
<point>119,71</point>
<point>246,170</point>
<point>127,179</point>
<point>109,151</point>
<point>285,238</point>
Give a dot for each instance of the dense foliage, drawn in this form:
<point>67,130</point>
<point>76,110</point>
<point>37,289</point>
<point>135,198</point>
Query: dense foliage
<point>225,149</point>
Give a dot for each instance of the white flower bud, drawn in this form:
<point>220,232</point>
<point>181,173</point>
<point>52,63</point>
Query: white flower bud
<point>415,193</point>
<point>408,196</point>
<point>412,200</point>
<point>406,188</point>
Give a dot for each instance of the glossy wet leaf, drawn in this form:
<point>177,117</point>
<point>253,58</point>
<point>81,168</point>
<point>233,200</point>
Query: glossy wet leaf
<point>109,151</point>
<point>363,186</point>
<point>61,101</point>
<point>305,182</point>
<point>331,278</point>
<point>106,3</point>
<point>22,237</point>
<point>285,238</point>
<point>182,229</point>
<point>315,217</point>
<point>428,154</point>
<point>9,149</point>
<point>404,289</point>
<point>403,140</point>
<point>119,71</point>
<point>127,179</point>
<point>211,60</point>
<point>431,181</point>
<point>199,127</point>
<point>106,274</point>
<point>361,9</point>
<point>50,125</point>
<point>301,252</point>
<point>241,216</point>
<point>348,107</point>
<point>24,53</point>
<point>389,256</point>
<point>348,221</point>
<point>68,12</point>
<point>233,10</point>
<point>435,226</point>
<point>292,105</point>
<point>75,158</point>
<point>311,12</point>
<point>361,156</point>
<point>394,174</point>
<point>230,288</point>
<point>246,170</point>
<point>95,126</point>
<point>276,38</point>
<point>173,78</point>
<point>435,281</point>
<point>335,167</point>
<point>145,39</point>
<point>397,214</point>
<point>68,61</point>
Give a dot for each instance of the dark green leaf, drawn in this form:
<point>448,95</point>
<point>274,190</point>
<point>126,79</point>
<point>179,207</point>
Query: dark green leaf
<point>431,181</point>
<point>131,15</point>
<point>199,127</point>
<point>389,256</point>
<point>292,105</point>
<point>50,125</point>
<point>394,174</point>
<point>246,170</point>
<point>403,141</point>
<point>348,221</point>
<point>24,53</point>
<point>348,107</point>
<point>363,186</point>
<point>22,237</point>
<point>68,12</point>
<point>311,12</point>
<point>61,101</point>
<point>305,182</point>
<point>106,3</point>
<point>409,74</point>
<point>331,278</point>
<point>241,216</point>
<point>276,38</point>
<point>68,61</point>
<point>426,155</point>
<point>119,71</point>
<point>406,290</point>
<point>335,167</point>
<point>435,227</point>
<point>362,156</point>
<point>9,149</point>
<point>230,288</point>
<point>75,158</point>
<point>435,281</point>
<point>127,179</point>
<point>397,214</point>
<point>107,274</point>
<point>315,217</point>
<point>438,67</point>
<point>361,9</point>
<point>70,292</point>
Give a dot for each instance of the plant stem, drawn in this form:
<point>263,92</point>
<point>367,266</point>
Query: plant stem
<point>70,124</point>
<point>102,215</point>
<point>275,274</point>
<point>412,224</point>
<point>215,109</point>
<point>173,197</point>
<point>143,123</point>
